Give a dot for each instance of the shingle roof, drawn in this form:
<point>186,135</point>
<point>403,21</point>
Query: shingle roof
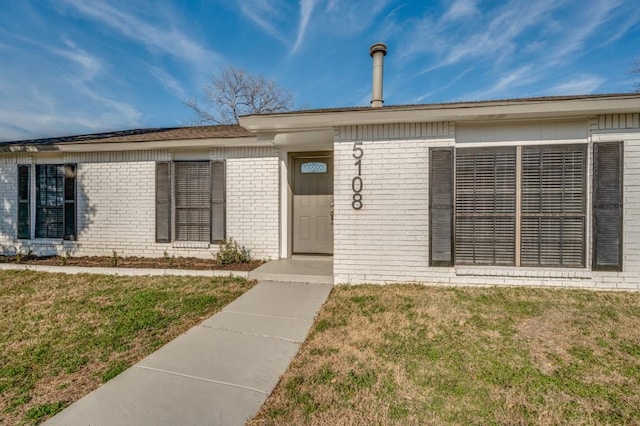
<point>144,135</point>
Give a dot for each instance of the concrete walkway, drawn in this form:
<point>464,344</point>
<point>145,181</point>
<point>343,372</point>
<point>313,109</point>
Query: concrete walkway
<point>218,373</point>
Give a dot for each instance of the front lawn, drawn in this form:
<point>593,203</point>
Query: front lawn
<point>405,354</point>
<point>61,336</point>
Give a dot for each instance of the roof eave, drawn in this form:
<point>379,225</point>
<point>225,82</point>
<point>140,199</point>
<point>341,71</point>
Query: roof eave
<point>484,112</point>
<point>100,146</point>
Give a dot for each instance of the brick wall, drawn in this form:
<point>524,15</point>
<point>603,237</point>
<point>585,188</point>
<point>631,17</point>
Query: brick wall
<point>253,199</point>
<point>8,209</point>
<point>116,204</point>
<point>388,239</point>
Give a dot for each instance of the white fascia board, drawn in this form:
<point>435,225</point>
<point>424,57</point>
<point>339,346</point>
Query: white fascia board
<point>615,135</point>
<point>480,112</point>
<point>141,146</point>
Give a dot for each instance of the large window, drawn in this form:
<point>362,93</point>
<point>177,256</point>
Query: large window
<point>514,206</point>
<point>55,201</point>
<point>190,199</point>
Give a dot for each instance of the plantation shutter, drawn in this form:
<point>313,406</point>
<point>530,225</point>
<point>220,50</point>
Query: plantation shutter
<point>218,201</point>
<point>553,206</point>
<point>163,202</point>
<point>193,200</point>
<point>69,202</point>
<point>607,206</point>
<point>485,206</point>
<point>24,211</point>
<point>441,207</point>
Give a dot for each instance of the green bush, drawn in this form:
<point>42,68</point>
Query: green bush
<point>230,251</point>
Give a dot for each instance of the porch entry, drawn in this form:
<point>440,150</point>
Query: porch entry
<point>313,204</point>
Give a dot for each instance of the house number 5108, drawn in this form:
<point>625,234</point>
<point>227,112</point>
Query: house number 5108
<point>356,182</point>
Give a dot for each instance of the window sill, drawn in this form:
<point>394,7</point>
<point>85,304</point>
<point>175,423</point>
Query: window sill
<point>523,272</point>
<point>45,241</point>
<point>191,245</point>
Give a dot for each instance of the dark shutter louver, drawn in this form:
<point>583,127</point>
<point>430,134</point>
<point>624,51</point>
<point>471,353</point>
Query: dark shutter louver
<point>69,202</point>
<point>441,207</point>
<point>218,201</point>
<point>193,200</point>
<point>553,206</point>
<point>485,206</point>
<point>607,206</point>
<point>24,211</point>
<point>163,202</point>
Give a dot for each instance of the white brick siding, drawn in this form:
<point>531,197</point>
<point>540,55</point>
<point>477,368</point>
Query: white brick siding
<point>388,239</point>
<point>8,195</point>
<point>116,203</point>
<point>253,204</point>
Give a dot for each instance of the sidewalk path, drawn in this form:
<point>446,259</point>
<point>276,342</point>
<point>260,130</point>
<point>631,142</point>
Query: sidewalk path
<point>218,373</point>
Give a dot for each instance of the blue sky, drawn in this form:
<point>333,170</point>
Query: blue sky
<point>83,66</point>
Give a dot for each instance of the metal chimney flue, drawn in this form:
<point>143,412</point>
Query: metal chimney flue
<point>377,52</point>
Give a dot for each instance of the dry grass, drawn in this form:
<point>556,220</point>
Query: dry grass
<point>63,335</point>
<point>424,355</point>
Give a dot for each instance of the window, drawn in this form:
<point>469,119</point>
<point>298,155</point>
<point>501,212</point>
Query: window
<point>197,189</point>
<point>485,206</point>
<point>56,201</point>
<point>24,210</point>
<point>553,206</point>
<point>514,206</point>
<point>313,167</point>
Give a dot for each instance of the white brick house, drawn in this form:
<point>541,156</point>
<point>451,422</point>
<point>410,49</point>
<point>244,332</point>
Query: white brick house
<point>538,191</point>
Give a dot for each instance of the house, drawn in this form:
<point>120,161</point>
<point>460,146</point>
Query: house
<point>536,191</point>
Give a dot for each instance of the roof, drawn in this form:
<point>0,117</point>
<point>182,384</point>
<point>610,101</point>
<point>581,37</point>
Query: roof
<point>314,119</point>
<point>438,105</point>
<point>144,135</point>
<point>547,107</point>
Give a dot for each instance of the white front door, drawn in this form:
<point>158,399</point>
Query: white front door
<point>313,205</point>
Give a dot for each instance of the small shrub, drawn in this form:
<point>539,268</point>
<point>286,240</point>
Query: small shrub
<point>114,259</point>
<point>170,259</point>
<point>230,251</point>
<point>64,259</point>
<point>20,256</point>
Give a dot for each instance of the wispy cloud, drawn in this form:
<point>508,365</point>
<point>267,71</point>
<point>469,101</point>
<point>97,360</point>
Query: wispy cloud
<point>306,9</point>
<point>580,85</point>
<point>266,14</point>
<point>169,82</point>
<point>90,64</point>
<point>164,37</point>
<point>507,83</point>
<point>461,9</point>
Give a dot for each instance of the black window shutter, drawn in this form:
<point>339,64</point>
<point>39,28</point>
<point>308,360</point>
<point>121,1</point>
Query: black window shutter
<point>163,202</point>
<point>607,206</point>
<point>218,201</point>
<point>441,207</point>
<point>24,211</point>
<point>70,202</point>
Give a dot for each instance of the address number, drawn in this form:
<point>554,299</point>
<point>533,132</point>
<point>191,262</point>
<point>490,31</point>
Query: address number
<point>356,182</point>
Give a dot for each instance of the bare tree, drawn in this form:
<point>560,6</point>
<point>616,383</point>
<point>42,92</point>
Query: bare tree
<point>234,92</point>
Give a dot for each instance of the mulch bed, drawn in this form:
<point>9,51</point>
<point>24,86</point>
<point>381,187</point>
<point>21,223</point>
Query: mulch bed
<point>132,262</point>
